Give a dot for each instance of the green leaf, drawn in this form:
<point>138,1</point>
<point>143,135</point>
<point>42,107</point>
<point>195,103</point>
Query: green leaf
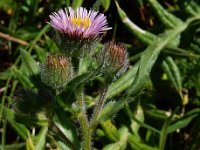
<point>19,128</point>
<point>29,62</point>
<point>167,18</point>
<point>66,97</point>
<point>50,44</point>
<point>110,109</point>
<point>173,73</point>
<point>107,113</point>
<point>139,115</point>
<point>148,59</point>
<point>105,4</point>
<point>183,121</point>
<point>6,74</point>
<point>157,114</point>
<point>137,120</point>
<point>121,144</point>
<point>122,83</point>
<point>63,146</point>
<point>31,65</point>
<point>13,72</point>
<point>14,146</point>
<point>37,142</point>
<point>96,5</point>
<point>110,130</point>
<point>141,34</point>
<point>138,145</point>
<point>29,144</point>
<point>179,52</point>
<point>163,132</point>
<point>146,63</point>
<point>22,76</point>
<point>66,127</point>
<point>41,53</point>
<point>41,139</point>
<point>192,8</point>
<point>77,3</point>
<point>38,119</point>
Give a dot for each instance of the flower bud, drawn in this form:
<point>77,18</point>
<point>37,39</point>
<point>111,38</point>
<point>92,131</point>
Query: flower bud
<point>56,71</point>
<point>115,59</point>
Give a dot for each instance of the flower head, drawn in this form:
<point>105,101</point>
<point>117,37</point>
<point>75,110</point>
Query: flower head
<point>56,71</point>
<point>79,23</point>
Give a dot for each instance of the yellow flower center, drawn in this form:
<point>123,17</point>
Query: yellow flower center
<point>78,21</point>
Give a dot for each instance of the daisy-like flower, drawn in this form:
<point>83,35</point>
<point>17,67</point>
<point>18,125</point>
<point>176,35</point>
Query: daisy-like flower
<point>79,23</point>
<point>78,31</point>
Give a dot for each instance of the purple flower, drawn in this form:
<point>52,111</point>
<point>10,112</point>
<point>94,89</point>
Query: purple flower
<point>79,23</point>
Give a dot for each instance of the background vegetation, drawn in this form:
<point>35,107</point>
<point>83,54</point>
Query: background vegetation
<point>162,38</point>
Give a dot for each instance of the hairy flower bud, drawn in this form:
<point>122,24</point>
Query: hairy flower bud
<point>56,71</point>
<point>115,59</point>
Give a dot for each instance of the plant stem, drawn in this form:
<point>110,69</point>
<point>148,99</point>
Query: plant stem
<point>4,98</point>
<point>83,120</point>
<point>3,140</point>
<point>14,39</point>
<point>98,108</point>
<point>163,132</point>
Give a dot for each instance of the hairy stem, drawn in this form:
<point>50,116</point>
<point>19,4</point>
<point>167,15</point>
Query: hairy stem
<point>98,108</point>
<point>83,120</point>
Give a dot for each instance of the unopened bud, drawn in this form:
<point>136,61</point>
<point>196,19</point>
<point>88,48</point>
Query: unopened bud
<point>56,71</point>
<point>115,59</point>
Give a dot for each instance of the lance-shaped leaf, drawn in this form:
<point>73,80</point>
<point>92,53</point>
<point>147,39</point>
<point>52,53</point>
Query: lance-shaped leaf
<point>149,57</point>
<point>167,18</point>
<point>138,115</point>
<point>105,4</point>
<point>122,142</point>
<point>135,143</point>
<point>141,34</point>
<point>32,66</point>
<point>183,121</point>
<point>77,3</point>
<point>66,128</point>
<point>122,83</point>
<point>19,128</point>
<point>109,130</point>
<point>173,73</point>
<point>41,139</point>
<point>192,8</point>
